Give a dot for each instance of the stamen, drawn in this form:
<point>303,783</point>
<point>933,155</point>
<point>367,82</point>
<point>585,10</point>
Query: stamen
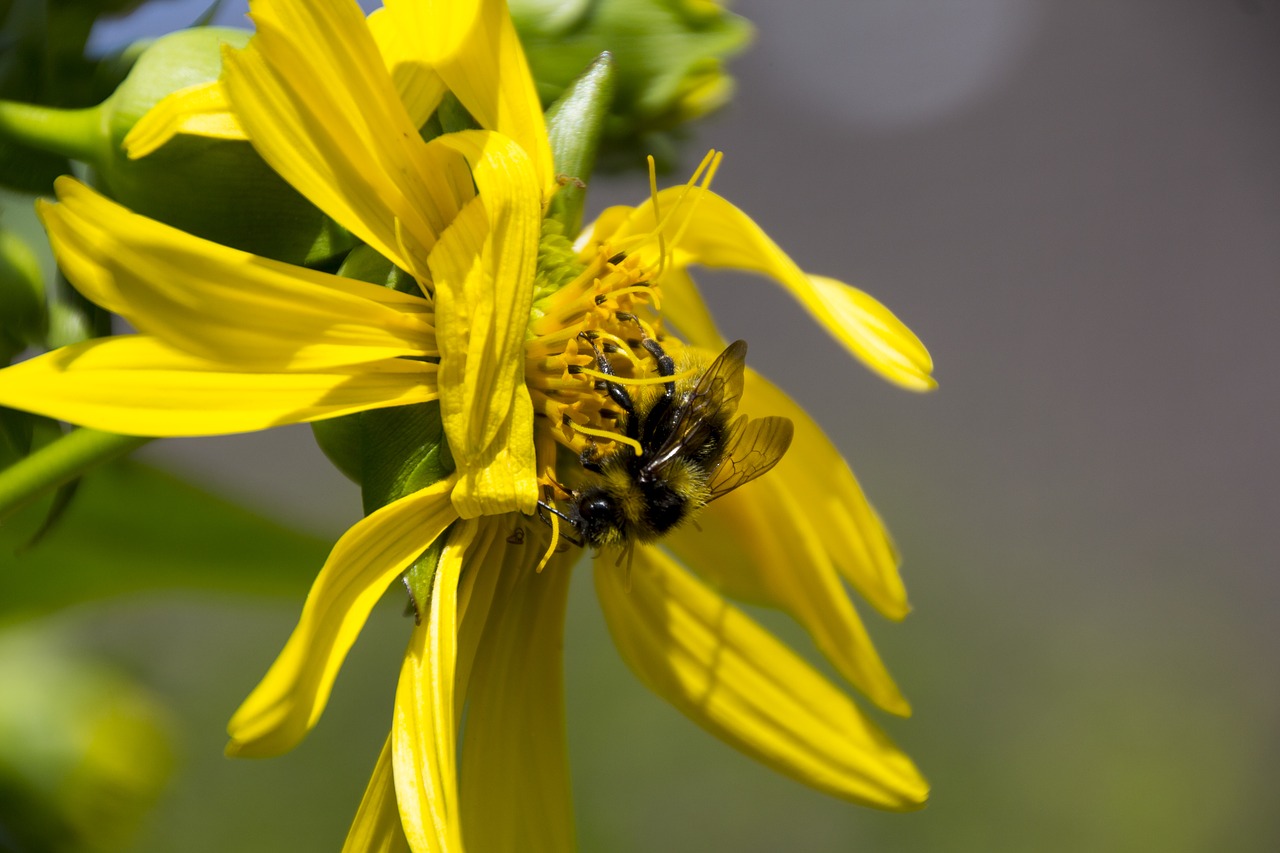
<point>657,218</point>
<point>640,289</point>
<point>712,163</point>
<point>555,541</point>
<point>609,436</point>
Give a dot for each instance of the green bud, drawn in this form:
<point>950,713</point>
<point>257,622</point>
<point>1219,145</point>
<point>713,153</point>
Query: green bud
<point>669,58</point>
<point>22,314</point>
<point>217,189</point>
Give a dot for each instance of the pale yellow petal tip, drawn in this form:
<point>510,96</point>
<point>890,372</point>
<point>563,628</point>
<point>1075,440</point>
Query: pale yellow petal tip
<point>201,110</point>
<point>913,797</point>
<point>268,746</point>
<point>896,704</point>
<point>242,749</point>
<point>873,334</point>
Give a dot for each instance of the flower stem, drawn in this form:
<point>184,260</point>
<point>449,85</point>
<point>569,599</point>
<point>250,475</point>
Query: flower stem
<point>77,134</point>
<point>60,462</point>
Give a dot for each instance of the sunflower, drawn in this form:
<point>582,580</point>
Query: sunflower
<point>505,332</point>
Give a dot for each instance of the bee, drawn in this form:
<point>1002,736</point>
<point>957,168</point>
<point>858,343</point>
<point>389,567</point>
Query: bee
<point>692,451</point>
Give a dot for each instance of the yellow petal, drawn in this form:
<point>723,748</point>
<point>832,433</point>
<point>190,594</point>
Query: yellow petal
<point>424,735</point>
<point>758,544</point>
<point>474,48</point>
<point>736,680</point>
<point>368,557</point>
<point>200,110</point>
<point>418,84</point>
<point>314,95</point>
<point>515,773</point>
<point>222,304</point>
<point>705,229</point>
<point>483,272</point>
<point>376,828</point>
<point>137,386</point>
<point>875,335</point>
<point>817,477</point>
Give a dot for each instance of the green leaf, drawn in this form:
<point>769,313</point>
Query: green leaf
<point>134,528</point>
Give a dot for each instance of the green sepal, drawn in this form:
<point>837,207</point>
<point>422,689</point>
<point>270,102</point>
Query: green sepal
<point>419,577</point>
<point>389,452</point>
<point>365,264</point>
<point>339,440</point>
<point>575,124</point>
<point>72,317</point>
<point>404,450</point>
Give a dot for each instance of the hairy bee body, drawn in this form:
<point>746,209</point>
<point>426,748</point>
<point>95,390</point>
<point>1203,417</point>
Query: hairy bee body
<point>692,451</point>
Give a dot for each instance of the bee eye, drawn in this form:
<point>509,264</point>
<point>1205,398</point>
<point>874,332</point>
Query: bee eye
<point>598,507</point>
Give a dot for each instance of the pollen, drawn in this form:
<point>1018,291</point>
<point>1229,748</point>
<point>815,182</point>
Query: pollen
<point>594,322</point>
<point>610,308</point>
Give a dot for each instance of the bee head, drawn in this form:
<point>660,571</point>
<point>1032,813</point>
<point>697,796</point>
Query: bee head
<point>598,517</point>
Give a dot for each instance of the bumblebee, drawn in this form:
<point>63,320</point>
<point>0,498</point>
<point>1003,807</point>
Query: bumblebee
<point>692,450</point>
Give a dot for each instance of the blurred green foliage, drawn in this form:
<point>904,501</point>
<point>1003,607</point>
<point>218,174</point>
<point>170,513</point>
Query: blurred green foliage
<point>83,750</point>
<point>133,528</point>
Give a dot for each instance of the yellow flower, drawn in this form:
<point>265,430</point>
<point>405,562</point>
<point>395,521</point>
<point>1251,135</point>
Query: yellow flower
<point>232,342</point>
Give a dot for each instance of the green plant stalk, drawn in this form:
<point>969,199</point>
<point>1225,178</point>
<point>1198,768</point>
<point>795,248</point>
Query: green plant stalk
<point>77,134</point>
<point>60,462</point>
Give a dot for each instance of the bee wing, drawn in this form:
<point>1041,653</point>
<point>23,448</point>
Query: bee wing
<point>714,399</point>
<point>752,448</point>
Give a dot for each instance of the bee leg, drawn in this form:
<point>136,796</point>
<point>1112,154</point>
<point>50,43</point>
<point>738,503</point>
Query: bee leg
<point>666,364</point>
<point>658,415</point>
<point>589,460</point>
<point>617,393</point>
<point>544,507</point>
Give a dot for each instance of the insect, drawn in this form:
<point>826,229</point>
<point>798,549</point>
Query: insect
<point>692,451</point>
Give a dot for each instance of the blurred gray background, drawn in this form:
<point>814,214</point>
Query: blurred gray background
<point>1076,205</point>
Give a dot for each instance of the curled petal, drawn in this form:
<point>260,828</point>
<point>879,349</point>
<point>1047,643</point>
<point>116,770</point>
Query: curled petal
<point>733,678</point>
<point>376,827</point>
<point>222,304</point>
<point>137,386</point>
<point>703,228</point>
<point>368,557</point>
<point>424,735</point>
<point>475,49</point>
<point>201,110</point>
<point>483,272</point>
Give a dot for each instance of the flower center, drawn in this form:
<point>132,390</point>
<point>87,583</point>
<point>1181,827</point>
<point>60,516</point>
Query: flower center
<point>586,333</point>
